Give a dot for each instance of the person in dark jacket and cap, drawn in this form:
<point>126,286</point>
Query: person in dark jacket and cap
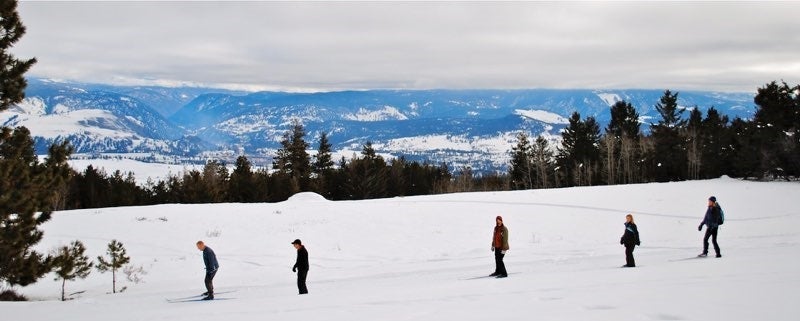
<point>210,261</point>
<point>499,247</point>
<point>630,239</point>
<point>301,266</point>
<point>711,221</point>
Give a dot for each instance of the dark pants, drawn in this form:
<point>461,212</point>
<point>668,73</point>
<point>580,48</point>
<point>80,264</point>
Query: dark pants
<point>301,281</point>
<point>500,267</point>
<point>630,262</point>
<point>712,233</point>
<point>209,282</point>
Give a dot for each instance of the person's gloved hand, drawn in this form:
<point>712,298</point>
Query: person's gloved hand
<point>492,249</point>
<point>638,243</point>
<point>294,269</point>
<point>700,227</point>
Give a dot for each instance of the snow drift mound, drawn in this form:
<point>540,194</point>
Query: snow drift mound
<point>305,197</point>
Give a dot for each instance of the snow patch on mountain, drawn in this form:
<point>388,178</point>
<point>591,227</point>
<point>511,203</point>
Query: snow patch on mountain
<point>245,124</point>
<point>543,116</point>
<point>30,106</point>
<point>95,123</point>
<point>387,113</point>
<point>609,98</point>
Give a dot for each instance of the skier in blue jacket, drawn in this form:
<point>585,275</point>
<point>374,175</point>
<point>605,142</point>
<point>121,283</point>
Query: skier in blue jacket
<point>210,260</point>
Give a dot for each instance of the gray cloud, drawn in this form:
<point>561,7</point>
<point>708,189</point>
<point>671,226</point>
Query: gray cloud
<point>728,46</point>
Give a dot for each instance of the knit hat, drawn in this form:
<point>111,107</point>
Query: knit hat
<point>713,199</point>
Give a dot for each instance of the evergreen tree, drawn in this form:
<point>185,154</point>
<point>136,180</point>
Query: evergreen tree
<point>71,263</point>
<point>12,70</point>
<point>214,182</point>
<point>322,167</point>
<point>579,155</point>
<point>323,160</point>
<point>242,186</point>
<point>668,156</point>
<point>542,159</point>
<point>367,175</point>
<point>397,184</point>
<point>777,133</point>
<point>292,158</point>
<point>694,144</point>
<point>28,189</point>
<point>621,145</point>
<point>717,142</point>
<point>521,170</point>
<point>26,201</point>
<point>93,188</point>
<point>746,158</point>
<point>124,191</point>
<point>117,258</point>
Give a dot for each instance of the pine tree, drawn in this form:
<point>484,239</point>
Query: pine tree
<point>745,149</point>
<point>668,156</point>
<point>367,175</point>
<point>694,144</point>
<point>71,263</point>
<point>241,185</point>
<point>777,133</point>
<point>621,145</point>
<point>117,258</point>
<point>521,170</point>
<point>27,187</point>
<point>12,70</point>
<point>292,158</point>
<point>214,182</point>
<point>717,142</point>
<point>542,159</point>
<point>323,160</point>
<point>323,167</point>
<point>579,154</point>
<point>26,201</point>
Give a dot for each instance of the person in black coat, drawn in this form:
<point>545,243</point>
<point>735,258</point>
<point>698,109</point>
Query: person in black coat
<point>301,266</point>
<point>711,221</point>
<point>630,239</point>
<point>210,261</point>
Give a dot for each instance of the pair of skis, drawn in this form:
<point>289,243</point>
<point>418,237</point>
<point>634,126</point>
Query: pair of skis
<point>199,297</point>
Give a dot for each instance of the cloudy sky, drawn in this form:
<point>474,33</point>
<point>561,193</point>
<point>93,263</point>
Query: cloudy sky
<point>311,46</point>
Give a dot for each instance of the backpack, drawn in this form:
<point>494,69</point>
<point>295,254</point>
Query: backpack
<point>721,217</point>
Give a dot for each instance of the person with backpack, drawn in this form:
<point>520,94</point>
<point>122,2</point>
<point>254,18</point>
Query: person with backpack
<point>499,247</point>
<point>630,239</point>
<point>713,219</point>
<point>210,261</point>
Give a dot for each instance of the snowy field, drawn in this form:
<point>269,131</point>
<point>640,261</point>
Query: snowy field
<point>418,258</point>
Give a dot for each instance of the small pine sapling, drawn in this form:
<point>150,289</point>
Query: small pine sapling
<point>117,259</point>
<point>71,263</point>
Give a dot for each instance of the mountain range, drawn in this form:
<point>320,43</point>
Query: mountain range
<point>474,128</point>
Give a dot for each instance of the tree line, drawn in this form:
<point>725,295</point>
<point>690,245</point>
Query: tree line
<point>678,146</point>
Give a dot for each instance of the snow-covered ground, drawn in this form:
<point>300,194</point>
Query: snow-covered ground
<point>417,258</point>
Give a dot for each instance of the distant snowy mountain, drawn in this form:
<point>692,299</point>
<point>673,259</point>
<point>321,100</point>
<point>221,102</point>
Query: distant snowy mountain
<point>459,127</point>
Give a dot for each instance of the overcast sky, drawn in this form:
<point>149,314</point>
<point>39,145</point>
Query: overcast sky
<point>310,46</point>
